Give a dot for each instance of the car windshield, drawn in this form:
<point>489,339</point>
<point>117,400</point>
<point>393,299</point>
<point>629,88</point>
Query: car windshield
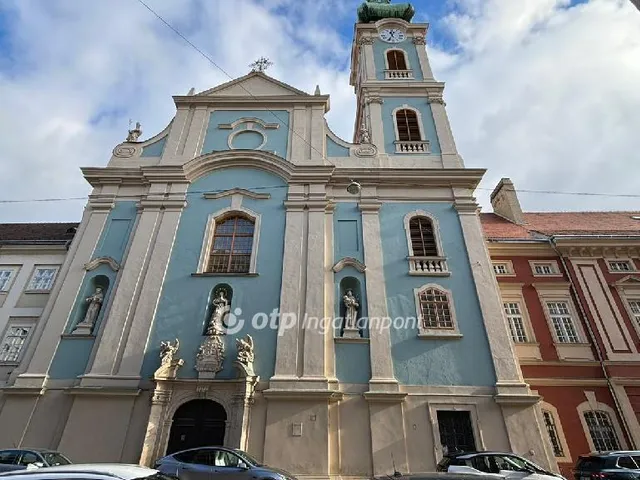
<point>246,457</point>
<point>54,458</point>
<point>524,464</point>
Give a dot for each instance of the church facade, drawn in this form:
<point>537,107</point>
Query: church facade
<point>247,278</point>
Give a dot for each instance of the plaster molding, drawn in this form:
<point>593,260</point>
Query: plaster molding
<point>127,150</point>
<point>419,39</point>
<point>233,135</point>
<point>96,262</point>
<point>434,225</point>
<point>240,121</point>
<point>366,150</point>
<point>599,250</point>
<point>238,191</point>
<point>349,262</point>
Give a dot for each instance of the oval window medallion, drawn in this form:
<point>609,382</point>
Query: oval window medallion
<point>247,140</point>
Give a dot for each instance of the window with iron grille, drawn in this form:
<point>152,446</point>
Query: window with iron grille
<point>554,438</point>
<point>435,311</point>
<point>232,246</point>
<point>516,322</point>
<point>500,268</point>
<point>620,266</point>
<point>562,322</point>
<point>408,128</point>
<point>634,305</point>
<point>456,431</point>
<point>396,60</point>
<point>601,430</point>
<point>13,342</point>
<point>543,269</point>
<point>423,241</point>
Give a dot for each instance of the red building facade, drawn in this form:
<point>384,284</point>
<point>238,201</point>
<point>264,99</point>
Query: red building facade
<point>570,285</point>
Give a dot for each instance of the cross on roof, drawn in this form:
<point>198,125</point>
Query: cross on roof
<point>261,64</point>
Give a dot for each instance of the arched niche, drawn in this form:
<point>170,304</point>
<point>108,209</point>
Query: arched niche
<point>90,286</point>
<point>351,283</point>
<point>215,291</point>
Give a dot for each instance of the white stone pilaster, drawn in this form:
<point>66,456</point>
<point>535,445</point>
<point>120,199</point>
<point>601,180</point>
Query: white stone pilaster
<point>176,139</point>
<point>449,152</point>
<point>369,61</point>
<point>314,333</point>
<point>197,131</point>
<point>630,417</point>
<point>291,290</point>
<point>139,329</point>
<point>298,135</point>
<point>425,66</point>
<point>317,134</point>
<point>374,103</point>
<point>382,376</point>
<point>56,315</point>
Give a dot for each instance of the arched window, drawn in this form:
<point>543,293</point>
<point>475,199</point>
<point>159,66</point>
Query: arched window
<point>601,429</point>
<point>408,127</point>
<point>232,245</point>
<point>396,60</point>
<point>423,241</point>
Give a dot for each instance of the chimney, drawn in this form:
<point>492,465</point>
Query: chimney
<point>504,201</point>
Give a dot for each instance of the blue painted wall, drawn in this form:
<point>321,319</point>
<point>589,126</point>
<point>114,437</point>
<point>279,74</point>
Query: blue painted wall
<point>184,300</point>
<point>421,361</point>
<point>347,231</point>
<point>379,47</point>
<point>154,149</point>
<point>216,139</point>
<point>72,354</point>
<point>353,363</point>
<point>419,103</point>
<point>335,150</point>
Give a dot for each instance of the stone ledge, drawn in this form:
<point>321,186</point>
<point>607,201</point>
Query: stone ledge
<point>310,395</point>
<point>108,391</point>
<point>224,274</point>
<point>351,340</point>
<point>384,397</point>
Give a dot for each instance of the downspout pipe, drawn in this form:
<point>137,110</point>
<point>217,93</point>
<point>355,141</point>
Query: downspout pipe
<point>594,341</point>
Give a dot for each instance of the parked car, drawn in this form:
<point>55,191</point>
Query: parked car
<point>21,459</point>
<point>436,476</point>
<point>98,471</point>
<point>618,465</point>
<point>504,465</point>
<point>210,462</point>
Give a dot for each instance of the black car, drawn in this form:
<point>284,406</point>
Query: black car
<point>22,458</point>
<point>618,465</point>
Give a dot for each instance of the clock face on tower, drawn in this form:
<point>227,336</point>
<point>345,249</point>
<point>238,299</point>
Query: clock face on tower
<point>392,35</point>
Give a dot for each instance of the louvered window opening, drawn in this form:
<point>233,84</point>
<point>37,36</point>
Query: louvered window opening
<point>232,244</point>
<point>408,128</point>
<point>396,60</point>
<point>423,239</point>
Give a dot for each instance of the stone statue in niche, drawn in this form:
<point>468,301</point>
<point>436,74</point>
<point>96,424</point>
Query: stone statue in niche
<point>351,315</point>
<point>135,133</point>
<point>95,300</point>
<point>365,137</point>
<point>168,364</point>
<point>220,309</point>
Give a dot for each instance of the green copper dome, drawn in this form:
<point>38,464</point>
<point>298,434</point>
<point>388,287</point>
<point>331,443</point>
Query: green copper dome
<point>374,10</point>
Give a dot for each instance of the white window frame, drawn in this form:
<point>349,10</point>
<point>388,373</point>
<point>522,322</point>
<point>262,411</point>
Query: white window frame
<point>628,289</point>
<point>554,268</point>
<point>512,293</point>
<point>14,273</point>
<point>593,405</point>
<point>508,266</point>
<point>566,458</point>
<point>423,137</point>
<point>560,292</point>
<point>30,289</point>
<point>570,315</point>
<point>423,332</point>
<point>436,230</point>
<point>635,317</point>
<point>19,323</point>
<point>628,261</point>
<point>207,242</point>
<point>406,58</point>
<point>522,316</point>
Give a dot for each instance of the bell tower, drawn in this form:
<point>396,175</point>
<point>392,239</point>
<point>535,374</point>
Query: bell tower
<point>399,101</point>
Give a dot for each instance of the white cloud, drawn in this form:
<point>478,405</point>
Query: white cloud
<point>536,91</point>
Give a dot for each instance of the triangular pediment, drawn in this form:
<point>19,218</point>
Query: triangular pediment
<point>255,84</point>
<point>629,280</point>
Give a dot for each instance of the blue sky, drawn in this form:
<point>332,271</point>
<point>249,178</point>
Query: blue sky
<point>542,91</point>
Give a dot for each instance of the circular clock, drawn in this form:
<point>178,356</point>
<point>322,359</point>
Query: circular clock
<point>392,35</point>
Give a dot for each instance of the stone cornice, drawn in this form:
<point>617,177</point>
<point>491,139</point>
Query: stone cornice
<point>507,248</point>
<point>349,262</point>
<point>278,101</point>
<point>404,177</point>
<point>298,394</point>
<point>237,191</point>
<point>57,248</point>
<point>384,397</point>
<point>609,248</point>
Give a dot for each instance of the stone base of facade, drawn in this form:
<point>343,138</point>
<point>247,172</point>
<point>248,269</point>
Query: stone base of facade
<point>346,434</point>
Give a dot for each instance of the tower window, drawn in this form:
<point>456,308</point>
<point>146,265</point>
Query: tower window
<point>434,309</point>
<point>408,127</point>
<point>396,60</point>
<point>423,239</point>
<point>232,246</point>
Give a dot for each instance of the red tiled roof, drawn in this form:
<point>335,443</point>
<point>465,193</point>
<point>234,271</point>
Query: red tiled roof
<point>37,232</point>
<point>562,223</point>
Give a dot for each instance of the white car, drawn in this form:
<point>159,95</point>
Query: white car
<point>498,464</point>
<point>88,471</point>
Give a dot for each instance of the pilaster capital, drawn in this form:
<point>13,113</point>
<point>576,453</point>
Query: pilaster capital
<point>365,41</point>
<point>161,396</point>
<point>370,206</point>
<point>419,40</point>
<point>159,202</point>
<point>294,205</point>
<point>101,202</point>
<point>375,99</point>
<point>466,207</point>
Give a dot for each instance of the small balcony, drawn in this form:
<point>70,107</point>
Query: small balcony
<point>420,146</point>
<point>433,266</point>
<point>398,74</point>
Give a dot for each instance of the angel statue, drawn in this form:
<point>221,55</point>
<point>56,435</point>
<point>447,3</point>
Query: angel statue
<point>167,351</point>
<point>168,364</point>
<point>246,355</point>
<point>220,309</point>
